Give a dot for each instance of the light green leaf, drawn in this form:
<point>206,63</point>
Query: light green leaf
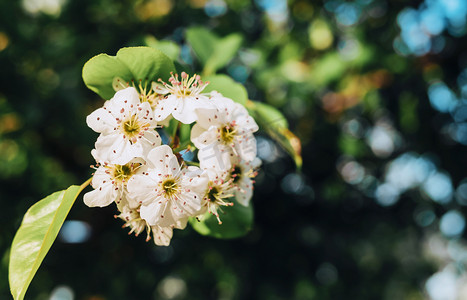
<point>213,52</point>
<point>35,236</point>
<point>227,87</point>
<point>130,64</point>
<point>224,51</point>
<point>202,41</point>
<point>169,48</point>
<point>236,220</point>
<point>269,115</point>
<point>275,124</point>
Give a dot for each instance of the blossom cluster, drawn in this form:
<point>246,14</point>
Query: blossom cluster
<point>154,188</point>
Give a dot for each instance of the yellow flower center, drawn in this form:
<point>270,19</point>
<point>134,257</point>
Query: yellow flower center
<point>170,187</point>
<point>132,128</point>
<point>213,194</point>
<point>228,133</point>
<point>150,96</point>
<point>121,173</point>
<point>236,174</point>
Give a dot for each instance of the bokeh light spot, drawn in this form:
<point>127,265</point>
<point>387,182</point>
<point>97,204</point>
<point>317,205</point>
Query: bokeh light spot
<point>62,292</point>
<point>452,223</point>
<point>75,232</point>
<point>439,187</point>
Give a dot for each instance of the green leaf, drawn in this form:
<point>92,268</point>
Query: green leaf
<point>169,48</point>
<point>202,41</point>
<point>213,52</point>
<point>227,87</point>
<point>224,51</point>
<point>275,124</point>
<point>236,220</point>
<point>130,64</point>
<point>35,236</point>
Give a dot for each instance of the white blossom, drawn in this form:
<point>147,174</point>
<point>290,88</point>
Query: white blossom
<point>183,97</point>
<point>127,128</point>
<point>241,177</point>
<point>161,235</point>
<point>109,183</point>
<point>224,134</point>
<point>216,194</point>
<point>146,94</point>
<point>167,192</point>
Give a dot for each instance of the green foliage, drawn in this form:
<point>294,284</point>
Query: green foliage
<point>169,48</point>
<point>329,229</point>
<point>273,122</point>
<point>37,232</point>
<point>237,220</point>
<point>213,52</point>
<point>227,87</point>
<point>133,64</point>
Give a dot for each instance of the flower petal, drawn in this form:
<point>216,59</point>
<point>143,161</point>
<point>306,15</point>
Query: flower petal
<point>100,197</point>
<point>101,121</point>
<point>185,111</point>
<point>153,212</point>
<point>162,235</point>
<point>163,159</point>
<point>165,107</point>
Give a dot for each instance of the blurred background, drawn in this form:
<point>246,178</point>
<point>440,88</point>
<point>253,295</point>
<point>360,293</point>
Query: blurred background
<point>375,89</point>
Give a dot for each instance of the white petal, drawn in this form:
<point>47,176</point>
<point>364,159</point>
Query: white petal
<point>141,188</point>
<point>185,111</point>
<point>181,223</point>
<point>162,235</point>
<point>208,117</point>
<point>187,205</point>
<point>116,150</point>
<point>149,141</point>
<point>245,191</point>
<point>216,156</point>
<point>100,177</point>
<point>126,97</point>
<point>246,148</point>
<point>101,121</point>
<point>152,212</point>
<point>196,180</point>
<point>222,103</point>
<point>246,124</point>
<point>165,107</point>
<point>203,136</point>
<point>145,113</point>
<point>163,159</point>
<point>100,197</point>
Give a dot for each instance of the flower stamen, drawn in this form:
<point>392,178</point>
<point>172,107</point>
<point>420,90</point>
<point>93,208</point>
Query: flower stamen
<point>187,86</point>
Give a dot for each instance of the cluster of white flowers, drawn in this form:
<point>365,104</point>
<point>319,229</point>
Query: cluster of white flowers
<point>154,188</point>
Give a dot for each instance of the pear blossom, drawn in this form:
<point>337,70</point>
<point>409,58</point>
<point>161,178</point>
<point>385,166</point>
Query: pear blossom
<point>127,128</point>
<point>224,133</point>
<point>216,193</point>
<point>161,235</point>
<point>146,94</point>
<point>109,183</point>
<point>167,192</point>
<point>241,178</point>
<point>183,97</point>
